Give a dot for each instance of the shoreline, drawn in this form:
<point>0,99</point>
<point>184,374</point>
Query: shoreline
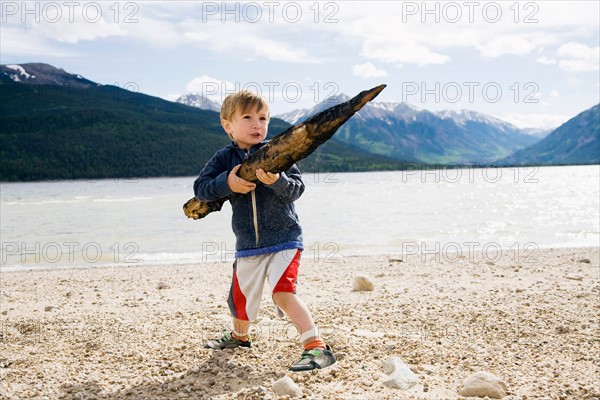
<point>409,166</point>
<point>137,332</point>
<point>467,251</point>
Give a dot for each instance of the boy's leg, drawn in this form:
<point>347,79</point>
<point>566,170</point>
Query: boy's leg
<point>283,275</point>
<point>244,300</point>
<point>246,290</point>
<point>295,308</point>
<point>240,329</point>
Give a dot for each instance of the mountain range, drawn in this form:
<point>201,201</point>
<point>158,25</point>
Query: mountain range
<point>404,132</point>
<point>58,125</point>
<point>577,141</point>
<point>200,101</point>
<point>44,74</point>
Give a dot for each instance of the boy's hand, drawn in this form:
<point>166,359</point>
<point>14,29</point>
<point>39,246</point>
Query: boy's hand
<point>268,178</point>
<point>237,184</point>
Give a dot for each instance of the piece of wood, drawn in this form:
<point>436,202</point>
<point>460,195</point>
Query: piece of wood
<point>289,147</point>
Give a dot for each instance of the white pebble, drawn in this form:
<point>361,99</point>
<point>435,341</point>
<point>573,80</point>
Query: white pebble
<point>482,384</point>
<point>399,375</point>
<point>286,386</point>
<point>362,283</point>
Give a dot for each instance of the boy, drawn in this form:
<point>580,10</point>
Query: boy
<point>267,230</point>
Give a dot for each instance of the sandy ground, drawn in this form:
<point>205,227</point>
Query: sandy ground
<point>137,332</point>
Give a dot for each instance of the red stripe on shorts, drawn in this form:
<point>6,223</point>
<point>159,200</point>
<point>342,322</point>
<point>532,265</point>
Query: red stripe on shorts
<point>287,282</point>
<point>239,300</point>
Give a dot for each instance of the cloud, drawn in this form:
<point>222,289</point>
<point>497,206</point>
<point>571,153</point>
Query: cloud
<point>54,31</point>
<point>208,85</point>
<point>507,44</point>
<point>368,70</point>
<point>216,89</point>
<point>401,51</point>
<point>579,57</point>
<point>429,35</point>
<point>383,38</point>
<point>554,93</point>
<point>79,30</point>
<point>197,36</point>
<point>546,60</point>
<point>171,97</point>
<point>247,41</point>
<point>280,51</point>
<point>542,121</point>
<point>558,14</point>
<point>157,26</point>
<point>16,42</point>
<point>66,24</point>
<point>157,33</point>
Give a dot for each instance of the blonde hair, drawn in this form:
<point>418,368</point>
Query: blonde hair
<point>243,101</point>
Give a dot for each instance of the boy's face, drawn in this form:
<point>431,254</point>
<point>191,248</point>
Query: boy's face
<point>249,128</point>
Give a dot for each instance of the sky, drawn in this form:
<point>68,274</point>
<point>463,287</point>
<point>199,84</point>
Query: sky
<point>532,63</point>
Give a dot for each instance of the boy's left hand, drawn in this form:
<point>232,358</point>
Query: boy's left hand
<point>268,178</point>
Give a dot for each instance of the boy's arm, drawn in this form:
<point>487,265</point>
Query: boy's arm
<point>211,184</point>
<point>289,187</point>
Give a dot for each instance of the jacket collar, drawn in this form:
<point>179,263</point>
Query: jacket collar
<point>252,149</point>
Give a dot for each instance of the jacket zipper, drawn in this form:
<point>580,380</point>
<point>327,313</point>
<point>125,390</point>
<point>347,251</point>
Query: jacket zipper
<point>254,212</point>
<point>253,193</point>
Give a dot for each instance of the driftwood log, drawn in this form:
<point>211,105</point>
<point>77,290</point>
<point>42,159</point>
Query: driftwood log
<point>289,147</point>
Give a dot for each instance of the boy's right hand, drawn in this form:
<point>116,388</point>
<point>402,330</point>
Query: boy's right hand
<point>237,184</point>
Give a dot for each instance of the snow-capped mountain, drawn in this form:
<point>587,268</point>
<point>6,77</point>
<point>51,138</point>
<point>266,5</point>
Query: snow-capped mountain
<point>463,116</point>
<point>405,132</point>
<point>44,74</point>
<point>404,111</point>
<point>200,101</point>
<point>299,115</point>
<point>370,110</point>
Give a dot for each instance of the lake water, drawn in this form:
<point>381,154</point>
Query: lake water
<point>133,222</point>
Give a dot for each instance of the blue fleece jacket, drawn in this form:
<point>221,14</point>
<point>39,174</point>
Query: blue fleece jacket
<point>264,220</point>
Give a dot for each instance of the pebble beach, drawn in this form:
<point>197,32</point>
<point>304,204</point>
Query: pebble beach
<point>138,332</point>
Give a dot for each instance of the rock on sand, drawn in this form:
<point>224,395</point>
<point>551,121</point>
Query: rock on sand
<point>286,386</point>
<point>399,374</point>
<point>482,384</point>
<point>362,283</point>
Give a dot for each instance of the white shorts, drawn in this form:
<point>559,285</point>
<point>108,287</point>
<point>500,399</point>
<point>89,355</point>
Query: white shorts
<point>249,273</point>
